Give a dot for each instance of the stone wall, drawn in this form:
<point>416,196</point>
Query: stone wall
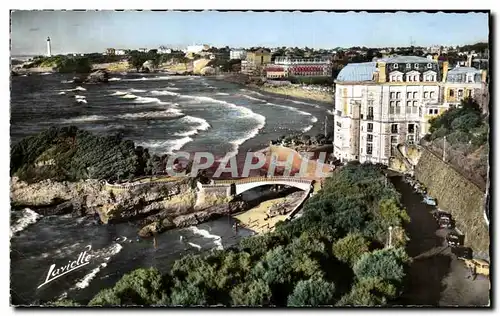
<point>458,196</point>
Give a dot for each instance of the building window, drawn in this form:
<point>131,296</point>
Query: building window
<point>400,78</point>
<point>436,111</point>
<point>460,93</point>
<point>411,128</point>
<point>398,110</point>
<point>431,111</point>
<point>398,103</point>
<point>398,95</point>
<point>395,66</point>
<point>394,139</point>
<point>416,66</point>
<point>369,127</point>
<point>469,93</point>
<point>391,103</point>
<point>392,95</point>
<point>408,95</point>
<point>432,94</point>
<point>429,66</point>
<point>408,66</point>
<point>408,103</point>
<point>369,137</point>
<point>452,93</point>
<point>394,128</point>
<point>411,139</point>
<point>425,94</point>
<point>370,102</point>
<point>391,109</point>
<point>369,148</point>
<point>416,78</point>
<point>410,78</point>
<point>414,95</point>
<point>370,111</point>
<point>339,124</point>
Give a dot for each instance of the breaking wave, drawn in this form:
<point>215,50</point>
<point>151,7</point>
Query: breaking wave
<point>164,92</point>
<point>201,123</point>
<point>85,118</point>
<point>291,108</point>
<point>307,129</point>
<point>152,114</point>
<point>205,233</point>
<point>27,218</point>
<point>114,79</point>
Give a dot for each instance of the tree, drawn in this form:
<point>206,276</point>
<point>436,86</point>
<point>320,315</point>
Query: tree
<point>312,292</point>
<point>369,292</point>
<point>142,286</point>
<point>350,248</point>
<point>188,294</point>
<point>106,297</point>
<point>388,264</point>
<point>391,214</point>
<point>254,293</point>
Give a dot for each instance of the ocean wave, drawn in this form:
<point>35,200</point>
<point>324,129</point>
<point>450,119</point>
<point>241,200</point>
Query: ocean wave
<point>81,101</point>
<point>148,100</point>
<point>187,133</point>
<point>314,119</point>
<point>194,245</point>
<point>80,96</point>
<point>163,92</point>
<point>301,102</point>
<point>252,98</point>
<point>222,93</point>
<point>150,78</point>
<point>201,123</point>
<point>114,79</point>
<point>85,118</point>
<point>291,108</point>
<point>85,281</point>
<point>206,234</point>
<point>152,114</point>
<point>62,92</point>
<point>129,96</point>
<point>307,129</point>
<point>119,93</point>
<point>79,89</point>
<point>136,90</point>
<point>28,217</point>
<point>172,88</point>
<point>168,146</point>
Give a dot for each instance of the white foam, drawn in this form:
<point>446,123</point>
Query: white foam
<point>27,218</point>
<point>46,73</point>
<point>119,93</point>
<point>202,124</point>
<point>136,90</point>
<point>152,114</point>
<point>300,102</point>
<point>252,98</point>
<point>168,146</point>
<point>291,108</point>
<point>222,93</point>
<point>86,118</point>
<point>148,100</point>
<point>172,88</point>
<point>314,119</point>
<point>85,281</point>
<point>307,129</point>
<point>164,92</point>
<point>81,101</point>
<point>114,79</point>
<point>80,96</point>
<point>150,78</point>
<point>194,245</point>
<point>79,89</point>
<point>129,96</point>
<point>62,92</point>
<point>205,233</point>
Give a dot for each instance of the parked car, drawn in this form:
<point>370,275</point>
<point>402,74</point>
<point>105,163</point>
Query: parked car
<point>430,200</point>
<point>454,240</point>
<point>446,222</point>
<point>464,253</point>
<point>439,214</point>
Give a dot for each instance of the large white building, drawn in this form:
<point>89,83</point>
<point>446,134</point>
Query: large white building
<point>384,103</point>
<point>195,49</point>
<point>238,54</point>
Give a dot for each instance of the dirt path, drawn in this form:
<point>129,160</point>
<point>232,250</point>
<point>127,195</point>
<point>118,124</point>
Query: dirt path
<point>436,276</point>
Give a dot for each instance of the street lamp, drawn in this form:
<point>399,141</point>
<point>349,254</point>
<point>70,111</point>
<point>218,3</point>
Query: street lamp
<point>390,236</point>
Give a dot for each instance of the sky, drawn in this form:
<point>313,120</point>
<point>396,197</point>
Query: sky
<point>94,31</point>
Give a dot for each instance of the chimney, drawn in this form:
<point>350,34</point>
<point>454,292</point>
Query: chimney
<point>469,60</point>
<point>445,70</point>
<point>381,72</point>
<point>484,74</point>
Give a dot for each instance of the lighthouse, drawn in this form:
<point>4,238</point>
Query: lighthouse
<point>48,47</point>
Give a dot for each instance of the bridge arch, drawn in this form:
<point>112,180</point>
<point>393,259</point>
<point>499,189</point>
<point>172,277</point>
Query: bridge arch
<point>242,186</point>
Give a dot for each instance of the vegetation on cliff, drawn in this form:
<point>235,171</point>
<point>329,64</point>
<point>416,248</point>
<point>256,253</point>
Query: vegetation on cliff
<point>64,64</point>
<point>466,130</point>
<point>68,153</point>
<point>333,255</point>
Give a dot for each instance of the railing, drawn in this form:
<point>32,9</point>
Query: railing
<point>260,179</point>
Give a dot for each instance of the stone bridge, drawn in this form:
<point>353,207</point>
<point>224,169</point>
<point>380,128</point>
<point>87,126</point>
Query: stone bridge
<point>238,186</point>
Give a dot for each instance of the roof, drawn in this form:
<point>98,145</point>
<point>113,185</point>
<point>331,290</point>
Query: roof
<point>406,59</point>
<point>463,70</point>
<point>357,72</point>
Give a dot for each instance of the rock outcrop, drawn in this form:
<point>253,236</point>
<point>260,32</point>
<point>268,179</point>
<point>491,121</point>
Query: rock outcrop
<point>98,76</point>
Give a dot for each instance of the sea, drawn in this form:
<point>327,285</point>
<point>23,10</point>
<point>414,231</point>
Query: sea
<point>164,114</point>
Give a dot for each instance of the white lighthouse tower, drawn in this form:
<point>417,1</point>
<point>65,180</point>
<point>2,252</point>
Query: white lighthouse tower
<point>48,47</point>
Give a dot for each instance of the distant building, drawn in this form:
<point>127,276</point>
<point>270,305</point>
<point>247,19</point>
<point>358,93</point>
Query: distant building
<point>113,51</point>
<point>238,54</point>
<point>164,50</point>
<point>304,67</point>
<point>143,50</point>
<point>120,52</point>
<point>255,61</point>
<point>196,49</point>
